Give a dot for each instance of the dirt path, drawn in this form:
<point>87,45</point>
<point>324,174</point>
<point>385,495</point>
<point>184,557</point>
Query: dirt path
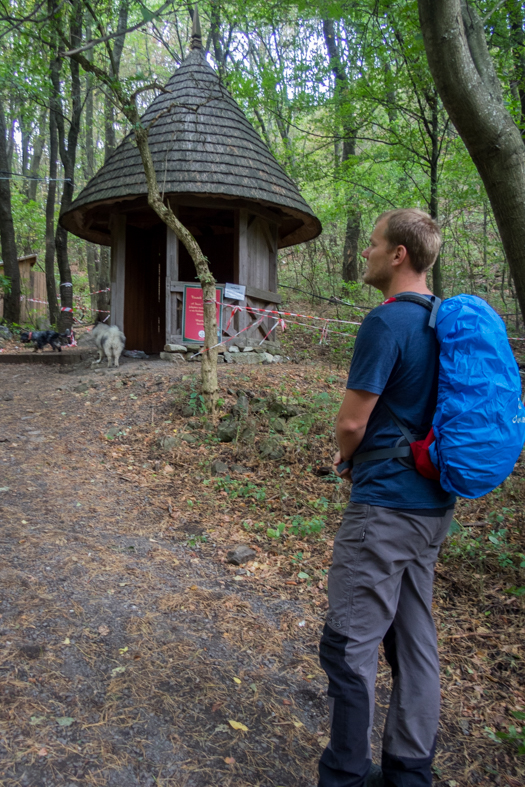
<point>125,655</point>
<point>132,655</point>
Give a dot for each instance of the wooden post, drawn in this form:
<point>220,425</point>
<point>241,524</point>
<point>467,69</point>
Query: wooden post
<point>242,319</point>
<point>118,269</point>
<point>172,274</point>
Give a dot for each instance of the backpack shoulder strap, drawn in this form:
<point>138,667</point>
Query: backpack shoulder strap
<point>431,304</point>
<point>401,452</point>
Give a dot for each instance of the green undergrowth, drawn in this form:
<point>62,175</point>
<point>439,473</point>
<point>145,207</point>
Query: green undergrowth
<point>489,534</point>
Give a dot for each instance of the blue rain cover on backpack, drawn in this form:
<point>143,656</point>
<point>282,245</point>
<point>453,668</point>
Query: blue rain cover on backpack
<point>479,423</point>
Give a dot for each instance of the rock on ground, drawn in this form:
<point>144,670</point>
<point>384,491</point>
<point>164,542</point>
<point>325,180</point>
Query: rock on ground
<point>243,358</point>
<point>240,554</point>
<point>271,448</point>
<point>173,357</point>
<point>219,468</point>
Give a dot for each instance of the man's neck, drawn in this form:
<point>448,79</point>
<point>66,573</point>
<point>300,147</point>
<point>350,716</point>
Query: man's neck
<point>407,284</point>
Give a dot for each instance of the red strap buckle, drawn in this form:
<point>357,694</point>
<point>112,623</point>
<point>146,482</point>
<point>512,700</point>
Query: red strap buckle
<point>420,451</point>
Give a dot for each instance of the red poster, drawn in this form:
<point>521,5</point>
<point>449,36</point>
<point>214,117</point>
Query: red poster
<point>193,317</point>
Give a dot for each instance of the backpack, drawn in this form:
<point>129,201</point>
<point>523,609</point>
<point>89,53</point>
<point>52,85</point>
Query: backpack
<point>478,427</point>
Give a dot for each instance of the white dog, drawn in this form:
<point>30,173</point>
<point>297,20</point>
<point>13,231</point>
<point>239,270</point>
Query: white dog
<point>110,341</point>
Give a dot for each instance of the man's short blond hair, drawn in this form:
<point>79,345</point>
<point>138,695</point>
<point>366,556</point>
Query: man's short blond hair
<point>417,232</point>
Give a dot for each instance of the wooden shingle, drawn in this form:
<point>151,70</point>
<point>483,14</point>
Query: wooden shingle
<point>201,144</point>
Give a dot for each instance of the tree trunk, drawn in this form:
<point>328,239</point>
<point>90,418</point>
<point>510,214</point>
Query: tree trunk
<point>68,157</point>
<point>103,298</point>
<point>353,228</point>
<point>92,274</point>
<point>350,271</point>
<point>210,385</point>
<point>467,83</point>
<point>110,142</point>
<point>38,149</point>
<point>89,171</point>
<point>114,68</point>
<point>7,230</point>
<point>517,41</point>
<point>51,288</point>
<point>25,134</point>
<point>433,205</point>
<point>164,212</point>
<point>215,34</point>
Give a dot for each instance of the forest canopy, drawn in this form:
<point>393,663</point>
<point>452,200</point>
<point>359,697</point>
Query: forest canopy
<point>341,92</point>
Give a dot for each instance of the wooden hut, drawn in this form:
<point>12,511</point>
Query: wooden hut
<point>224,185</point>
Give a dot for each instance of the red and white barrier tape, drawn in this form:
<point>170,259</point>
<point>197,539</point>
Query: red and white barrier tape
<point>224,341</point>
<point>325,330</point>
<point>32,300</point>
<point>254,309</point>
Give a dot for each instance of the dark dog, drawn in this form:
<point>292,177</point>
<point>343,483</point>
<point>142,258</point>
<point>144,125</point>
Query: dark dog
<point>41,338</point>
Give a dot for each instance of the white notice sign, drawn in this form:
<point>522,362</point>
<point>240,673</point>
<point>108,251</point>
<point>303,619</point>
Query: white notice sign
<point>236,292</point>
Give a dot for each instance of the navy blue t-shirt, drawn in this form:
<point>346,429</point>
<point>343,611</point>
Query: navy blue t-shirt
<point>396,355</point>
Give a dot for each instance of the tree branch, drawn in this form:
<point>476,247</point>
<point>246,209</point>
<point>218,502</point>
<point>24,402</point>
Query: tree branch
<point>108,37</point>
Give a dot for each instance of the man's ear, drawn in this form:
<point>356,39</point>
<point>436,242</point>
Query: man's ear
<point>400,255</point>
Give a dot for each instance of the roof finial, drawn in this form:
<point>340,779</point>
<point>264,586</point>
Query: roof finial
<point>196,36</point>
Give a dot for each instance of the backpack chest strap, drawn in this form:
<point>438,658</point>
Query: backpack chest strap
<point>396,452</point>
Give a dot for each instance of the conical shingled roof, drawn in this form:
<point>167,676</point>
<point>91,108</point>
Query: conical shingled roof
<point>201,144</point>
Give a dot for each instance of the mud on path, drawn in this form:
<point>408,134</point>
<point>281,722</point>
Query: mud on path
<point>130,653</point>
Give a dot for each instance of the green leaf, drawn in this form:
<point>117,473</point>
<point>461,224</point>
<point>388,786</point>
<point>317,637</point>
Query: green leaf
<point>303,575</point>
<point>147,15</point>
<point>65,721</point>
<point>515,591</point>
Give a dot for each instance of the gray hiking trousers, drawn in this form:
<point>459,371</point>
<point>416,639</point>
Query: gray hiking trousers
<point>380,589</point>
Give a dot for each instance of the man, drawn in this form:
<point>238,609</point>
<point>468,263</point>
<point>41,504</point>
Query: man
<point>380,582</point>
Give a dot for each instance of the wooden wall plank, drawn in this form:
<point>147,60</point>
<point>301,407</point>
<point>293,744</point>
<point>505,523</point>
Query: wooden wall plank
<point>263,295</point>
<point>258,255</point>
<point>241,318</point>
<point>272,269</point>
<point>118,269</point>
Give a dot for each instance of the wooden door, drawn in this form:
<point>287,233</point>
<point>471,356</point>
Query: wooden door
<point>145,292</point>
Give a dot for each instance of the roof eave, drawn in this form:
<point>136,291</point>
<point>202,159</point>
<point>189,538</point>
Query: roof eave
<point>74,220</point>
